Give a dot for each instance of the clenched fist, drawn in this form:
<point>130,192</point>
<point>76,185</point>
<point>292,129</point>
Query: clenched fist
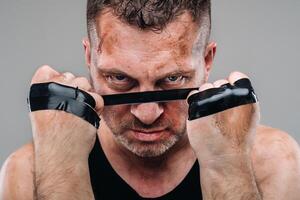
<point>62,141</point>
<point>224,135</point>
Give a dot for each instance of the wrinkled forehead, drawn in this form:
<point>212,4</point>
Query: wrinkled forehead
<point>114,35</point>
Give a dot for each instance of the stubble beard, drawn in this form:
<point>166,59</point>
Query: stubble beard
<point>148,149</point>
<point>140,148</point>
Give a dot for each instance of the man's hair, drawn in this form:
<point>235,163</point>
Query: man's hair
<point>153,14</point>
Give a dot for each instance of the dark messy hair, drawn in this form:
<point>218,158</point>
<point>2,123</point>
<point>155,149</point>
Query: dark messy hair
<point>153,14</point>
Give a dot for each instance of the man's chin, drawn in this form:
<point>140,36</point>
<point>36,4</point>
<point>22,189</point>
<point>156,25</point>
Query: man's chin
<point>146,148</point>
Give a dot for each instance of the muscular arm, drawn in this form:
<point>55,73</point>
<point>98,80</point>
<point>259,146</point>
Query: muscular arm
<point>229,178</point>
<point>276,166</point>
<point>17,180</point>
<point>273,174</point>
<point>61,179</point>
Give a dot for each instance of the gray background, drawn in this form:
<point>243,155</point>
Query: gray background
<point>258,37</point>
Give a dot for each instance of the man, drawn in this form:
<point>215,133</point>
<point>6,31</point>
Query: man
<point>150,150</point>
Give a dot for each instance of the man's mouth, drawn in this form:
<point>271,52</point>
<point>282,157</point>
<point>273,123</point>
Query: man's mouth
<point>148,135</point>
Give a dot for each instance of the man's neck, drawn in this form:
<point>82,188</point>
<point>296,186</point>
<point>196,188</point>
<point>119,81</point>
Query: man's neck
<point>165,171</point>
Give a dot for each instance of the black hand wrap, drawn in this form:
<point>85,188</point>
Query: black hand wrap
<point>54,96</point>
<point>147,97</point>
<point>215,100</point>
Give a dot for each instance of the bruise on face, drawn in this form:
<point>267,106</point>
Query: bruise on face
<point>178,36</point>
<point>105,36</point>
<point>147,57</point>
<point>108,41</point>
<point>144,55</point>
<point>183,49</point>
<point>184,43</point>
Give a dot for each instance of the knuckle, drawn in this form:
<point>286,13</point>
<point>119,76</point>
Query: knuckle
<point>68,76</point>
<point>59,79</point>
<point>83,82</point>
<point>43,73</point>
<point>237,74</point>
<point>45,68</point>
<point>206,86</point>
<point>220,82</point>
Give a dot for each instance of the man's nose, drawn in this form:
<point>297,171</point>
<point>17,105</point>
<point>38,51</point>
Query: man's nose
<point>147,112</point>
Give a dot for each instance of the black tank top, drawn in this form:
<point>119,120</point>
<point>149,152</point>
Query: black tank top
<point>108,185</point>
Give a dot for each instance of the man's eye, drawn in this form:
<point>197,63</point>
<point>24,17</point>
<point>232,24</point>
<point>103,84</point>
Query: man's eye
<point>174,78</point>
<point>117,78</point>
<point>119,81</point>
<point>120,77</point>
<point>172,81</point>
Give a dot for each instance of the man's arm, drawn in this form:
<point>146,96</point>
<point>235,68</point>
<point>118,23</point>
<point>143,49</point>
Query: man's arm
<point>222,140</point>
<point>230,177</point>
<point>60,177</point>
<point>17,178</point>
<point>63,136</point>
<point>275,174</point>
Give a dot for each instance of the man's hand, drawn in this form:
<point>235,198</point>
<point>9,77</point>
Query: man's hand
<point>62,143</point>
<point>227,133</point>
<point>223,148</point>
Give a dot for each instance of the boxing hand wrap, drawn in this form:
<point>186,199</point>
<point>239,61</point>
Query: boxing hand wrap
<point>54,96</point>
<point>216,100</point>
<point>147,97</point>
<point>56,89</point>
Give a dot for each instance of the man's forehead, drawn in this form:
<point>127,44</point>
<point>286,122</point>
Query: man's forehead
<point>114,32</point>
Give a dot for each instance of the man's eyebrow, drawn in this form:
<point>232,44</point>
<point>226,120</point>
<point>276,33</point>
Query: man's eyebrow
<point>190,72</point>
<point>112,71</point>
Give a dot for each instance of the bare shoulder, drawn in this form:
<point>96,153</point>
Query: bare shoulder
<point>276,144</point>
<point>276,162</point>
<point>16,176</point>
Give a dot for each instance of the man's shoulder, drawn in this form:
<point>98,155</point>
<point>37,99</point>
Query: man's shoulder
<point>275,143</point>
<point>16,176</point>
<point>22,157</point>
<point>276,161</point>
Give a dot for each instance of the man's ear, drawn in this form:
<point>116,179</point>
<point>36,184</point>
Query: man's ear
<point>87,51</point>
<point>209,56</point>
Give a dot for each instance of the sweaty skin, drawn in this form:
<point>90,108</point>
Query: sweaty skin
<point>244,161</point>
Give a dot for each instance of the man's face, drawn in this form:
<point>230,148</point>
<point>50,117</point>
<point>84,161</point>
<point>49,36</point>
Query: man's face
<point>131,60</point>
